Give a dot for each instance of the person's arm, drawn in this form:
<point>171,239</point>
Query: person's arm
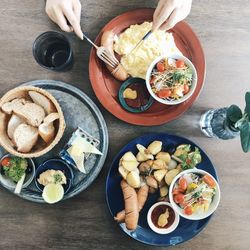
<point>61,11</point>
<point>170,12</point>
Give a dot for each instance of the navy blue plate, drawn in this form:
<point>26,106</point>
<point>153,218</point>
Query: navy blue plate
<point>186,229</point>
<point>56,164</point>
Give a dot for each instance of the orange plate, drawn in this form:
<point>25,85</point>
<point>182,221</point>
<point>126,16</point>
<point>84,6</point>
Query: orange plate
<point>106,87</point>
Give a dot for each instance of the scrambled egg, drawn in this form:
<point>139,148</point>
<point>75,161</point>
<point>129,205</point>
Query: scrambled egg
<point>52,176</point>
<point>157,44</point>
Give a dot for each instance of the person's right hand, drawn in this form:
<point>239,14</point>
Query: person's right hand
<point>61,11</point>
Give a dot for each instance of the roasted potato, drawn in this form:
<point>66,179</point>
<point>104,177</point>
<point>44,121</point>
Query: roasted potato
<point>172,164</point>
<point>144,167</point>
<point>150,162</point>
<point>159,164</point>
<point>170,175</point>
<point>123,172</point>
<point>143,153</point>
<point>133,179</point>
<point>163,191</point>
<point>129,165</point>
<point>152,190</point>
<point>151,182</point>
<point>160,174</point>
<point>165,156</point>
<point>155,147</point>
<point>129,156</point>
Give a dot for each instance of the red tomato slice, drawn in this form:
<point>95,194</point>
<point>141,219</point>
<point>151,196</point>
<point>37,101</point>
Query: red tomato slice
<point>160,66</point>
<point>183,184</point>
<point>188,210</point>
<point>6,162</point>
<point>209,180</point>
<point>179,198</point>
<point>164,93</point>
<point>177,191</point>
<point>185,89</point>
<point>180,64</point>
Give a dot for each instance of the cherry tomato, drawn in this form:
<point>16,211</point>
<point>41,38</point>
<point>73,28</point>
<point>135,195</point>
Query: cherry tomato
<point>209,180</point>
<point>186,89</point>
<point>183,184</point>
<point>164,93</point>
<point>160,66</point>
<point>179,198</point>
<point>5,162</point>
<point>177,191</point>
<point>180,64</point>
<point>188,210</point>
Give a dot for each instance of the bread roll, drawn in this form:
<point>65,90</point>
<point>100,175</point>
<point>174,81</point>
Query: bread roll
<point>31,112</point>
<point>8,107</point>
<point>13,123</point>
<point>25,137</point>
<point>42,101</point>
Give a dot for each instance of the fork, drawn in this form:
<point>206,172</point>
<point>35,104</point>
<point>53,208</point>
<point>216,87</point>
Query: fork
<point>103,54</point>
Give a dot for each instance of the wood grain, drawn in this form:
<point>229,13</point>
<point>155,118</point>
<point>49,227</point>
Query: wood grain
<point>84,222</point>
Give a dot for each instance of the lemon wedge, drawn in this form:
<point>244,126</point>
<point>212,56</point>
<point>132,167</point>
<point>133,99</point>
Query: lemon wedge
<point>53,193</point>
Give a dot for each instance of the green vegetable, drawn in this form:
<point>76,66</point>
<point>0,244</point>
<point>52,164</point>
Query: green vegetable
<point>57,178</point>
<point>16,169</point>
<point>190,160</point>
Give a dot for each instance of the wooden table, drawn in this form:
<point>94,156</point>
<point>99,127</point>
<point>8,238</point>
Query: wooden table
<point>84,222</point>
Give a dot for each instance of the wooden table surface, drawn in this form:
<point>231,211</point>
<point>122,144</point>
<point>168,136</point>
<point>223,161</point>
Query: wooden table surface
<point>84,222</point>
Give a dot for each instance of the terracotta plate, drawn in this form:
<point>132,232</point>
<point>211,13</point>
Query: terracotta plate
<point>106,87</point>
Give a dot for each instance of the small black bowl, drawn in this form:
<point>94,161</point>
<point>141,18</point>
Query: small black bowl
<point>56,164</point>
<point>52,50</point>
<point>139,85</point>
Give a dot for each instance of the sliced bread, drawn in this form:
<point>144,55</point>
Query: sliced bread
<point>13,123</point>
<point>42,101</point>
<point>47,132</point>
<point>31,112</point>
<point>8,107</point>
<point>25,137</point>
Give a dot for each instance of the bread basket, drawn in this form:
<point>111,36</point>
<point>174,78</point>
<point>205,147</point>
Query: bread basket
<point>40,148</point>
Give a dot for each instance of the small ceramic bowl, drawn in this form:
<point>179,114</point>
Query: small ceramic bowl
<point>139,85</point>
<point>167,230</point>
<point>56,164</point>
<point>192,88</point>
<point>11,185</point>
<point>213,206</point>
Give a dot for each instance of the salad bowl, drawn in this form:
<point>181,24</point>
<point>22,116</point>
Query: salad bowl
<point>200,214</point>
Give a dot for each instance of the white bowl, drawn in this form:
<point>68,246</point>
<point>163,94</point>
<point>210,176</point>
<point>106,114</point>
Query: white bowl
<point>162,230</point>
<point>194,79</point>
<point>213,206</point>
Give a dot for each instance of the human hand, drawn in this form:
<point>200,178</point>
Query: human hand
<point>170,12</point>
<point>61,11</point>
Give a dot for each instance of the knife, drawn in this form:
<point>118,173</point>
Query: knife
<point>140,42</point>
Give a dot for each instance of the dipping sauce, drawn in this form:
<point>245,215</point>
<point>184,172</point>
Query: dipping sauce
<point>161,209</point>
<point>142,98</point>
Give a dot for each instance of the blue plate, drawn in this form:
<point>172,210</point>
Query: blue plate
<point>56,164</point>
<point>186,229</point>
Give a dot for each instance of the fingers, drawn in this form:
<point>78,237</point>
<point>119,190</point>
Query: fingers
<point>162,15</point>
<point>77,10</point>
<point>62,22</point>
<point>74,21</point>
<point>171,21</point>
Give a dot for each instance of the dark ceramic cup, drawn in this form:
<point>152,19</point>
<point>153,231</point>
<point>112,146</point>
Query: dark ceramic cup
<point>53,51</point>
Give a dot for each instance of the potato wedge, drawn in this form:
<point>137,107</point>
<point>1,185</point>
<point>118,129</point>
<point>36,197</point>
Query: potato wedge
<point>170,175</point>
<point>123,172</point>
<point>172,164</point>
<point>160,174</point>
<point>163,191</point>
<point>144,167</point>
<point>165,156</point>
<point>151,182</point>
<point>129,156</point>
<point>129,165</point>
<point>143,153</point>
<point>150,162</point>
<point>133,179</point>
<point>159,164</point>
<point>155,147</point>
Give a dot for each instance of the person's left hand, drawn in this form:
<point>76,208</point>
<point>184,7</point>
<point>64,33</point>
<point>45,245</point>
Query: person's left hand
<point>170,12</point>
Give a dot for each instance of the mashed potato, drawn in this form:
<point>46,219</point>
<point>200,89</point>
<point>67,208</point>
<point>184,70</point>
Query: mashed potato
<point>137,62</point>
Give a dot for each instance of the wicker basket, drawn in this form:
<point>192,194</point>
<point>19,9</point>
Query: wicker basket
<point>40,148</point>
